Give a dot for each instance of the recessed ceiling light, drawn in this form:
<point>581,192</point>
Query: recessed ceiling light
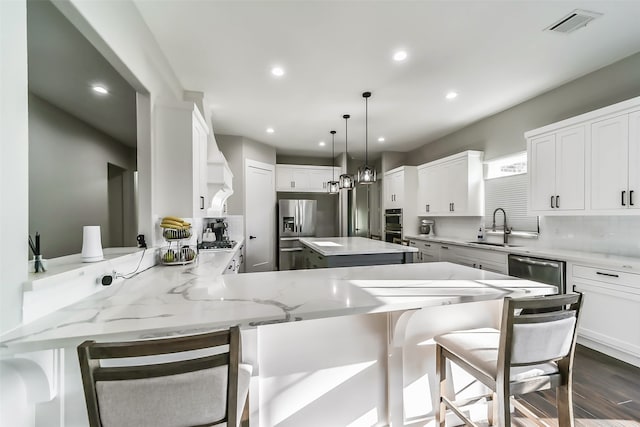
<point>100,89</point>
<point>381,139</point>
<point>400,55</point>
<point>451,95</point>
<point>277,71</point>
<point>270,130</point>
<point>321,143</point>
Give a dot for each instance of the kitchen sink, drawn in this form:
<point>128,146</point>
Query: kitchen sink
<point>501,245</point>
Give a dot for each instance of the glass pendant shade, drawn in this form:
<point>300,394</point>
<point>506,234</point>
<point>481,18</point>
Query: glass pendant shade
<point>334,187</point>
<point>346,181</point>
<point>366,173</point>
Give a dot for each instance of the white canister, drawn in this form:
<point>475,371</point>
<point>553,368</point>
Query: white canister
<point>91,244</point>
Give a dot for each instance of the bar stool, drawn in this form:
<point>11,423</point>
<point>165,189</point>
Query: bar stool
<point>206,385</point>
<point>532,351</point>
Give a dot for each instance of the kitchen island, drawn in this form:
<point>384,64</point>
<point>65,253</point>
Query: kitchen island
<point>316,338</point>
<point>322,252</point>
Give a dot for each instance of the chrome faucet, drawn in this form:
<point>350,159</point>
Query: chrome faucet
<point>506,229</point>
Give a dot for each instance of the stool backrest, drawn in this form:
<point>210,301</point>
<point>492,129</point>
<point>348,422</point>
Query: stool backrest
<point>193,391</point>
<point>539,329</point>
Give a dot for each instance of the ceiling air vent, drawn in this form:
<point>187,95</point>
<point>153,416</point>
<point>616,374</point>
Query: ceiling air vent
<point>573,21</point>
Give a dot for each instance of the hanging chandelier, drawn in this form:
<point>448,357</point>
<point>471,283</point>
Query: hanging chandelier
<point>333,186</point>
<point>366,173</point>
<point>346,180</point>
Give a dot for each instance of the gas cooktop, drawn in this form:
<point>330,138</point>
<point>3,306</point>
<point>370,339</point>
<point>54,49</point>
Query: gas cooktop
<point>218,244</point>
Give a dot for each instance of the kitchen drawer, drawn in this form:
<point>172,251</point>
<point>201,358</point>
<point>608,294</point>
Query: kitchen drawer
<point>630,281</point>
<point>487,255</point>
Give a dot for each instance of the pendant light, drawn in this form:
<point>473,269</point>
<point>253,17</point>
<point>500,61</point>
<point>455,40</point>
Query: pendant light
<point>366,173</point>
<point>346,180</point>
<point>333,186</point>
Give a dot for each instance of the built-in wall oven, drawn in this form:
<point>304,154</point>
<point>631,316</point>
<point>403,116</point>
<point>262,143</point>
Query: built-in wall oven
<point>549,271</point>
<point>392,224</point>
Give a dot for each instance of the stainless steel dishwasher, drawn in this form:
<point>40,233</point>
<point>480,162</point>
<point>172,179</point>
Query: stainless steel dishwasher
<point>549,271</point>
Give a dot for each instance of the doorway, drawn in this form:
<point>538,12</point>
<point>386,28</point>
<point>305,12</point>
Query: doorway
<point>121,202</point>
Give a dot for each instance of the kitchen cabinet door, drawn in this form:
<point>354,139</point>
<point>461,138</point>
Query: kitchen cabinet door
<point>318,179</point>
<point>542,173</point>
<point>394,189</point>
<point>181,156</point>
<point>570,169</point>
<point>634,160</point>
<point>557,172</point>
<point>610,163</point>
<point>434,189</point>
<point>456,192</point>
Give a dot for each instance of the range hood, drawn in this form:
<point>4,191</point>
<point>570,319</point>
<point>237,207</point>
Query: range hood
<point>219,182</point>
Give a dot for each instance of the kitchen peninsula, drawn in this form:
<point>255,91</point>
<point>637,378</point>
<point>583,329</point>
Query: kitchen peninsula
<point>353,251</point>
<point>314,337</point>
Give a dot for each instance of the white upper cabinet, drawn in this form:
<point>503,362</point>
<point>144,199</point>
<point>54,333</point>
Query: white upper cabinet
<point>181,156</point>
<point>399,184</point>
<point>587,165</point>
<point>615,153</point>
<point>306,179</point>
<point>556,165</point>
<point>453,186</point>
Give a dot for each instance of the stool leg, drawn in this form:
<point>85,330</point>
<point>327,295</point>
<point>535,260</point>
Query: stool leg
<point>441,378</point>
<point>564,400</point>
<point>504,407</point>
<point>492,409</point>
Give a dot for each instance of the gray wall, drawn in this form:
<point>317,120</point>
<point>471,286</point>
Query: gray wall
<point>503,133</point>
<point>68,177</point>
<point>301,160</point>
<point>236,149</point>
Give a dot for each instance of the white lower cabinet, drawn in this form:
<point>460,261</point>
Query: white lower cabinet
<point>610,317</point>
<point>483,259</point>
<point>427,251</point>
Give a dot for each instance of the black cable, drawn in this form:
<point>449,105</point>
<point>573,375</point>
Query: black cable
<point>134,272</point>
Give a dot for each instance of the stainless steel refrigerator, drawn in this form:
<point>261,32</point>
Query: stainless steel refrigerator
<point>296,218</point>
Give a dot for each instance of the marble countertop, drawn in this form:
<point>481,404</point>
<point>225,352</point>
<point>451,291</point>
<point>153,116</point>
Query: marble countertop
<point>331,246</point>
<point>164,301</point>
<point>631,264</point>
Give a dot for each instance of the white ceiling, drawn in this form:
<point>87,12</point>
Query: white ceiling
<point>494,53</point>
<point>62,67</point>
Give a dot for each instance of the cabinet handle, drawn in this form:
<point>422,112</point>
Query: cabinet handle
<point>557,201</point>
<point>552,203</point>
<point>444,247</point>
<point>474,265</point>
<point>453,207</point>
<point>426,245</point>
<point>623,193</point>
<point>427,208</point>
<point>631,198</point>
<point>201,202</point>
<point>574,288</point>
<point>480,266</point>
<point>607,274</point>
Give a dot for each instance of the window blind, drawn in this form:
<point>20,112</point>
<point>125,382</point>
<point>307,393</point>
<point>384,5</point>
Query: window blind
<point>509,193</point>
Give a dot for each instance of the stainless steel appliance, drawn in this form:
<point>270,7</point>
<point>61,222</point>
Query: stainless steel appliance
<point>296,218</point>
<point>427,227</point>
<point>392,224</point>
<point>547,271</point>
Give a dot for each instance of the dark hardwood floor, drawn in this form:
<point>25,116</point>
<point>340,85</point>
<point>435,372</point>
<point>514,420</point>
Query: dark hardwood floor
<point>606,392</point>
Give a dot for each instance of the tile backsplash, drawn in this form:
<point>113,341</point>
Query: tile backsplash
<point>616,235</point>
